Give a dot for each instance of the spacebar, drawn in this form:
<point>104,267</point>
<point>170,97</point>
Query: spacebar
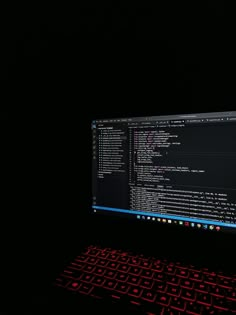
<point>120,301</point>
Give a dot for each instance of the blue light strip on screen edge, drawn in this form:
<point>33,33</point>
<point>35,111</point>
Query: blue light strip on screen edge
<point>166,216</point>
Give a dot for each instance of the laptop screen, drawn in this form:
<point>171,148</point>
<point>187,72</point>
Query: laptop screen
<point>173,170</point>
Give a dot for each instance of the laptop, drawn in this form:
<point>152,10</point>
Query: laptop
<point>159,236</point>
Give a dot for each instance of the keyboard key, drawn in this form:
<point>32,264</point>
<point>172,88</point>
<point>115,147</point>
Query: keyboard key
<point>134,280</point>
<point>102,262</point>
<point>91,260</point>
<point>159,287</point>
<point>98,280</point>
<point>135,291</point>
<point>122,277</point>
<point>147,273</point>
<point>173,280</point>
<point>173,290</point>
<point>110,274</point>
<point>81,258</point>
<point>148,295</point>
<point>196,276</point>
<point>72,273</point>
<point>99,271</point>
<point>204,298</point>
<point>87,277</point>
<point>112,265</point>
<point>145,264</point>
<point>112,257</point>
<point>135,271</point>
<point>189,295</point>
<point>122,287</point>
<point>77,265</point>
<point>201,287</point>
<point>178,304</point>
<point>168,311</point>
<point>209,279</point>
<point>218,291</point>
<point>227,283</point>
<point>146,283</point>
<point>134,261</point>
<point>89,268</point>
<point>186,283</point>
<point>169,270</point>
<point>159,276</point>
<point>194,308</point>
<point>93,252</point>
<point>109,284</point>
<point>182,273</point>
<point>157,267</point>
<point>231,294</point>
<point>220,303</point>
<point>163,300</point>
<point>123,267</point>
<point>86,288</point>
<point>123,259</point>
<point>73,285</point>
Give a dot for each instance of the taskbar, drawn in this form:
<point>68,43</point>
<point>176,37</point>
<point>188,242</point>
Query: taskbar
<point>205,224</point>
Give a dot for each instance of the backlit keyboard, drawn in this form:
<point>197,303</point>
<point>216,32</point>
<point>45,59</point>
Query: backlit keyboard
<point>157,286</point>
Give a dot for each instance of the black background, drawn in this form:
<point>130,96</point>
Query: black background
<point>65,65</point>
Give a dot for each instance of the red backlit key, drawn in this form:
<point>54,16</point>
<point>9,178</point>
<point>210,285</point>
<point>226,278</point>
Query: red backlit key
<point>135,271</point>
<point>134,280</point>
<point>196,276</point>
<point>204,298</point>
<point>98,281</point>
<point>99,271</point>
<point>231,294</point>
<point>178,304</point>
<point>92,260</point>
<point>93,252</point>
<point>145,264</point>
<point>163,300</point>
<point>147,274</point>
<point>121,277</point>
<point>123,259</point>
<point>122,287</point>
<point>109,284</point>
<point>112,257</point>
<point>189,295</point>
<point>73,285</point>
<point>134,261</point>
<point>81,258</point>
<point>102,262</point>
<point>173,290</point>
<point>102,255</point>
<point>173,280</point>
<point>85,288</point>
<point>146,283</point>
<point>159,287</point>
<point>112,265</point>
<point>202,287</point>
<point>148,295</point>
<point>227,283</point>
<point>135,291</point>
<point>186,283</point>
<point>86,277</point>
<point>220,303</point>
<point>123,267</point>
<point>182,273</point>
<point>194,308</point>
<point>110,274</point>
<point>89,268</point>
